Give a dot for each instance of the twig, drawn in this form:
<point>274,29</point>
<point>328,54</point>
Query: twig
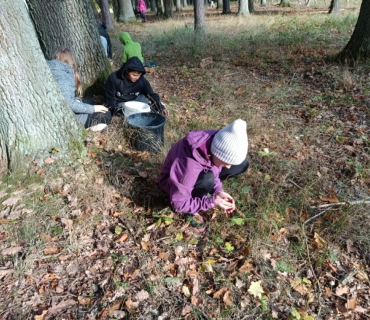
<point>315,216</point>
<point>164,238</point>
<point>327,205</point>
<point>291,181</point>
<point>128,229</point>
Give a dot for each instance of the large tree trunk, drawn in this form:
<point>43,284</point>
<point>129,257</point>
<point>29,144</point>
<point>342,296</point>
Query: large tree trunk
<point>199,16</point>
<point>251,6</point>
<point>168,8</point>
<point>54,27</point>
<point>105,14</point>
<point>178,6</point>
<point>125,12</point>
<point>284,3</point>
<point>243,7</point>
<point>35,119</point>
<point>159,8</point>
<point>226,7</point>
<point>263,3</point>
<point>334,7</point>
<point>358,47</point>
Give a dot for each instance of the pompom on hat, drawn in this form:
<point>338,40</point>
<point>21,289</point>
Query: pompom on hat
<point>230,144</point>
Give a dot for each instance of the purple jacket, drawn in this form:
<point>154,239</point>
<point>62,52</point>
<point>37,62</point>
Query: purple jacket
<point>185,161</point>
<point>141,6</point>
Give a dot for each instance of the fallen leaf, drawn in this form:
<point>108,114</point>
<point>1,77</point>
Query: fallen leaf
<point>11,251</point>
<point>51,250</point>
<point>61,306</point>
<point>247,267</point>
<point>228,298</point>
<point>186,291</point>
<point>256,289</point>
<point>219,293</point>
<point>122,238</point>
<point>10,201</point>
<point>299,287</point>
<point>5,272</point>
<point>142,295</point>
<point>339,291</point>
<point>42,316</point>
<point>352,304</point>
<point>186,310</point>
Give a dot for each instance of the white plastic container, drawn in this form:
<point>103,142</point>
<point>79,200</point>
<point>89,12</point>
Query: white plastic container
<point>132,107</point>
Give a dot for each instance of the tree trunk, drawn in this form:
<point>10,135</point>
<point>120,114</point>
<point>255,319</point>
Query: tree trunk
<point>251,6</point>
<point>159,8</point>
<point>358,47</point>
<point>35,119</point>
<point>263,3</point>
<point>152,5</point>
<point>199,16</point>
<point>105,14</point>
<point>243,7</point>
<point>125,11</point>
<point>178,6</point>
<point>168,8</point>
<point>226,7</point>
<point>220,4</point>
<point>334,7</point>
<point>56,30</point>
<point>284,3</point>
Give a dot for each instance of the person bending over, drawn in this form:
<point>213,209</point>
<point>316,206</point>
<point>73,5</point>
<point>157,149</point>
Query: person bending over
<point>195,166</point>
<point>64,69</point>
<point>129,84</point>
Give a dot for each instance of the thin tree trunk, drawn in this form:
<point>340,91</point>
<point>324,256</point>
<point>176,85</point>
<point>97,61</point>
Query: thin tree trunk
<point>243,7</point>
<point>199,16</point>
<point>35,119</point>
<point>159,8</point>
<point>251,6</point>
<point>178,6</point>
<point>168,8</point>
<point>105,14</point>
<point>125,11</point>
<point>284,3</point>
<point>263,3</point>
<point>226,7</point>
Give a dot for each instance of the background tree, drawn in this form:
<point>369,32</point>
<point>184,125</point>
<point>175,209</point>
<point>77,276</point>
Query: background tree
<point>220,4</point>
<point>105,14</point>
<point>226,7</point>
<point>284,3</point>
<point>35,119</point>
<point>251,6</point>
<point>243,7</point>
<point>263,3</point>
<point>358,47</point>
<point>159,8</point>
<point>168,8</point>
<point>334,7</point>
<point>71,24</point>
<point>199,16</point>
<point>178,6</point>
<point>124,11</point>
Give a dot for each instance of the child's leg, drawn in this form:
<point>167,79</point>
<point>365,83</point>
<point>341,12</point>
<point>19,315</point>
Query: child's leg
<point>204,184</point>
<point>234,170</point>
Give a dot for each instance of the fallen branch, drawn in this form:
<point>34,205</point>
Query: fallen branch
<point>327,205</point>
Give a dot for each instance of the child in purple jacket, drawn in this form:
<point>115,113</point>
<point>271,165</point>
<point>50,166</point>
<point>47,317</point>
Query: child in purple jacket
<point>141,8</point>
<point>195,166</point>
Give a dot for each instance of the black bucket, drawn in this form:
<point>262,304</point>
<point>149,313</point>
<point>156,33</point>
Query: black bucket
<point>149,131</point>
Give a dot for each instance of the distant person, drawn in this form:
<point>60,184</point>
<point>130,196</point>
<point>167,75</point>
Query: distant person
<point>195,166</point>
<point>64,69</point>
<point>129,84</point>
<point>105,38</point>
<point>130,48</point>
<point>141,9</point>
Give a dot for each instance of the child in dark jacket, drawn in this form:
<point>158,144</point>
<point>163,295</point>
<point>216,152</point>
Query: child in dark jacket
<point>196,165</point>
<point>129,84</point>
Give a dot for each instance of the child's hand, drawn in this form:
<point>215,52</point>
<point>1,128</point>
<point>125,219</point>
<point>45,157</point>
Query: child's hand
<point>165,112</point>
<point>225,202</point>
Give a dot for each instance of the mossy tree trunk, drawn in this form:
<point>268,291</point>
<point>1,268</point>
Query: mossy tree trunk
<point>199,16</point>
<point>71,24</point>
<point>35,119</point>
<point>358,47</point>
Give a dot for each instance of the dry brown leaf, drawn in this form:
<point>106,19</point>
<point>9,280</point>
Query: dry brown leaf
<point>42,316</point>
<point>228,298</point>
<point>196,288</point>
<point>143,174</point>
<point>145,245</point>
<point>142,295</point>
<point>320,242</point>
<point>84,301</point>
<point>219,293</point>
<point>131,304</point>
<point>122,238</point>
<point>352,304</point>
<point>49,160</point>
<point>99,180</point>
<point>72,268</point>
<point>61,306</point>
<point>163,255</point>
<point>51,276</point>
<point>117,214</point>
<point>361,275</point>
<point>339,291</point>
<point>195,301</point>
<point>332,199</point>
<point>247,267</point>
<point>5,272</point>
<point>11,251</point>
<point>299,287</point>
<point>51,250</point>
<point>186,310</point>
<point>114,307</point>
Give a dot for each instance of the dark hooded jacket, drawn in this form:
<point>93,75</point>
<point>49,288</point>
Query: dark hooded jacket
<point>118,89</point>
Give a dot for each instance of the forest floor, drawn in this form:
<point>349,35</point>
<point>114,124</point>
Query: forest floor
<point>96,239</point>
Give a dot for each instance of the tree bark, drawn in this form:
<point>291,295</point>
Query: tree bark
<point>263,3</point>
<point>226,7</point>
<point>199,16</point>
<point>334,7</point>
<point>178,6</point>
<point>125,11</point>
<point>284,3</point>
<point>35,119</point>
<point>243,7</point>
<point>168,8</point>
<point>105,14</point>
<point>251,6</point>
<point>358,47</point>
<point>75,29</point>
<point>220,4</point>
<point>159,8</point>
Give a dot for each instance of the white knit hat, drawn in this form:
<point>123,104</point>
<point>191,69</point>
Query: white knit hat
<point>230,144</point>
